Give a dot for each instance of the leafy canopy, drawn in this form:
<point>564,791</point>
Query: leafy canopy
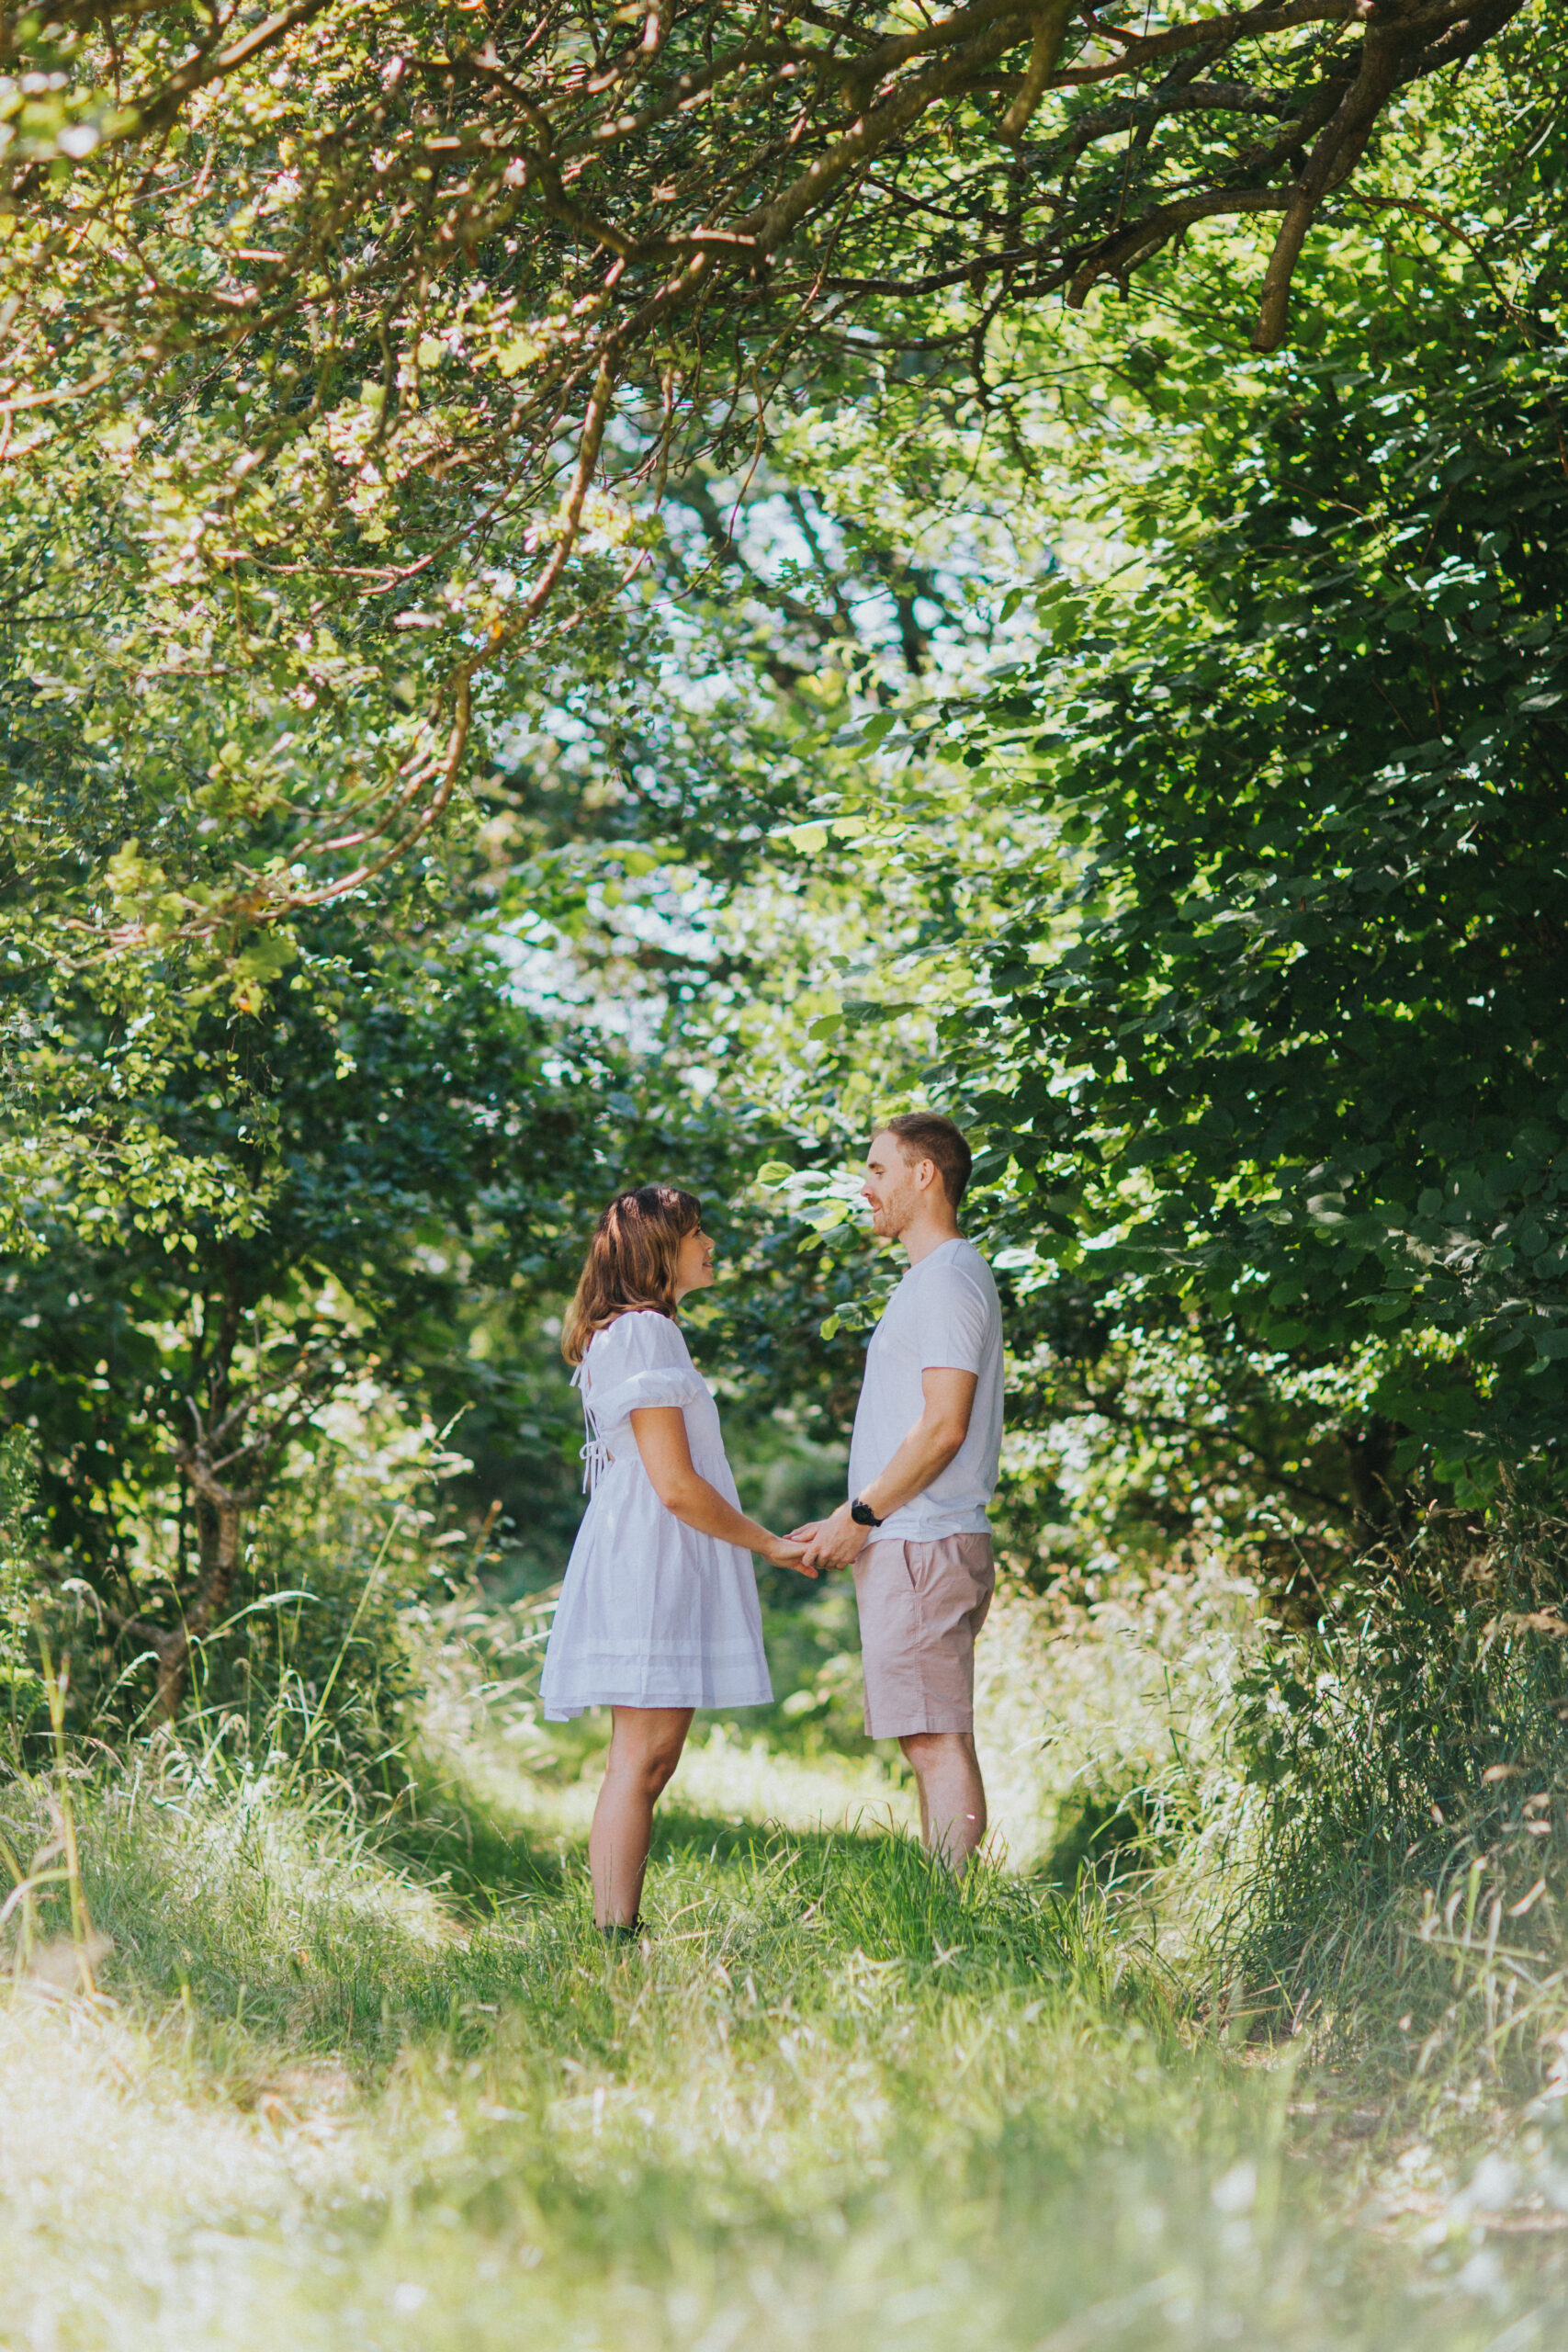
<point>1285,1033</point>
<point>367,318</point>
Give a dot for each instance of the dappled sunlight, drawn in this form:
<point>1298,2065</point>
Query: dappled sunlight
<point>140,2201</point>
<point>540,1782</point>
<point>732,1774</point>
<point>343,2085</point>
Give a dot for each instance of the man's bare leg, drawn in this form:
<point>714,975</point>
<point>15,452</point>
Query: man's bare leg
<point>953,1794</point>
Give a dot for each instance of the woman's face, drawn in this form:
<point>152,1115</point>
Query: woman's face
<point>693,1266</point>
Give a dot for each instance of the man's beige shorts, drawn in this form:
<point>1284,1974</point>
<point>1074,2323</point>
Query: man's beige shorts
<point>920,1608</point>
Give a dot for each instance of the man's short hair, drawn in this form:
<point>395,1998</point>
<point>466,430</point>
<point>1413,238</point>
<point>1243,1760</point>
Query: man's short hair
<point>925,1135</point>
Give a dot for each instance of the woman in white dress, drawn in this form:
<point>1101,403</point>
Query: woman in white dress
<point>657,1615</point>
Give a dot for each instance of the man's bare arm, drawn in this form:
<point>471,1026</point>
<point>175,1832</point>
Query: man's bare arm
<point>924,1455</point>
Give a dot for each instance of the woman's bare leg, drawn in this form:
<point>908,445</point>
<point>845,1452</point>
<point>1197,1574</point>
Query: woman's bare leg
<point>645,1748</point>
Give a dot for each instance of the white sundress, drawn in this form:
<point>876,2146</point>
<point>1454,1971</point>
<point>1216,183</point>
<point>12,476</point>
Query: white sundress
<point>652,1614</point>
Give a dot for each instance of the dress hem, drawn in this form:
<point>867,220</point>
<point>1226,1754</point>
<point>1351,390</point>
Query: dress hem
<point>565,1711</point>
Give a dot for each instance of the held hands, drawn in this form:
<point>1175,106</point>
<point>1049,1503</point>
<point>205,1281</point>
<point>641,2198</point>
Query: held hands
<point>784,1552</point>
<point>833,1543</point>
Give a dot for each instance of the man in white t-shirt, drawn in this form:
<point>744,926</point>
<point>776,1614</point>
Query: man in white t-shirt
<point>922,1467</point>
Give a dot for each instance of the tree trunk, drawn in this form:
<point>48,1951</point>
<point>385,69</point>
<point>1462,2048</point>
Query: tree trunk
<point>225,1448</point>
<point>218,1525</point>
<point>1381,1503</point>
<point>218,1522</point>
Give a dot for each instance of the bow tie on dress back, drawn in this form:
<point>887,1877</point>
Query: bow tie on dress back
<point>595,1456</point>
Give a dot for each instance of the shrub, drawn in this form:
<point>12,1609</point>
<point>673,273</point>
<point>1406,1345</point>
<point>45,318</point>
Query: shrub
<point>22,1691</point>
<point>1411,1855</point>
<point>315,1663</point>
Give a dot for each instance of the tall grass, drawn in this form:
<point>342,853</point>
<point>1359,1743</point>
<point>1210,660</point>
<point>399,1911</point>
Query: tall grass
<point>833,2090</point>
<point>333,2090</point>
<point>1406,1897</point>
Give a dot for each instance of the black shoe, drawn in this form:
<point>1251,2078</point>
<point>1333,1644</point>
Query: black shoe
<point>615,1934</point>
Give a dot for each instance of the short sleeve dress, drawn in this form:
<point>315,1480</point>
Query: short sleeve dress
<point>652,1614</point>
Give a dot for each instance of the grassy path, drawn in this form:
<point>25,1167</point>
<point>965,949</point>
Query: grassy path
<point>336,2098</point>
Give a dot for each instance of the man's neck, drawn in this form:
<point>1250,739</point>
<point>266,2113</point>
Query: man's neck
<point>927,1234</point>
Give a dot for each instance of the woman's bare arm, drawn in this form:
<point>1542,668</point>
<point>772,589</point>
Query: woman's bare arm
<point>660,1434</point>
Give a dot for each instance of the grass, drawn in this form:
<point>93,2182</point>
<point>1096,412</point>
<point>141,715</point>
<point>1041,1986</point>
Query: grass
<point>390,2091</point>
<point>1408,1903</point>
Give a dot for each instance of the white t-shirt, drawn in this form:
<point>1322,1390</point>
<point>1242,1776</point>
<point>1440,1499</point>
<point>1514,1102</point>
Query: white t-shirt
<point>945,1312</point>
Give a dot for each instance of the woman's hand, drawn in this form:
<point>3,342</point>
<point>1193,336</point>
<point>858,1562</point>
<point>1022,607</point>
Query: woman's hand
<point>781,1552</point>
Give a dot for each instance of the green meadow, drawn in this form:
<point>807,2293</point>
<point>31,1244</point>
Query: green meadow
<point>386,2088</point>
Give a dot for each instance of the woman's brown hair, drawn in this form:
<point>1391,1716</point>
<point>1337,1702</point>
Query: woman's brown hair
<point>631,1262</point>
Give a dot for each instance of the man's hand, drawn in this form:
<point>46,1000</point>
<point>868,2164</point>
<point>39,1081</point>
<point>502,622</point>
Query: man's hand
<point>833,1543</point>
<point>949,1396</point>
<point>784,1552</point>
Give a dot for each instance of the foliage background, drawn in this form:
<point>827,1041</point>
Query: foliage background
<point>1150,751</point>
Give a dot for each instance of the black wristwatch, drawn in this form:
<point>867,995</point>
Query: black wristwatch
<point>863,1514</point>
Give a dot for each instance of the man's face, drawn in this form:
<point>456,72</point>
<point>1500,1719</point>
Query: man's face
<point>891,1189</point>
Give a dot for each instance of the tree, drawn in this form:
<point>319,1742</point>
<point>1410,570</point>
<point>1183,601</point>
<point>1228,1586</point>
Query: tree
<point>378,300</point>
<point>167,761</point>
<point>405,1138</point>
<point>1285,1037</point>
